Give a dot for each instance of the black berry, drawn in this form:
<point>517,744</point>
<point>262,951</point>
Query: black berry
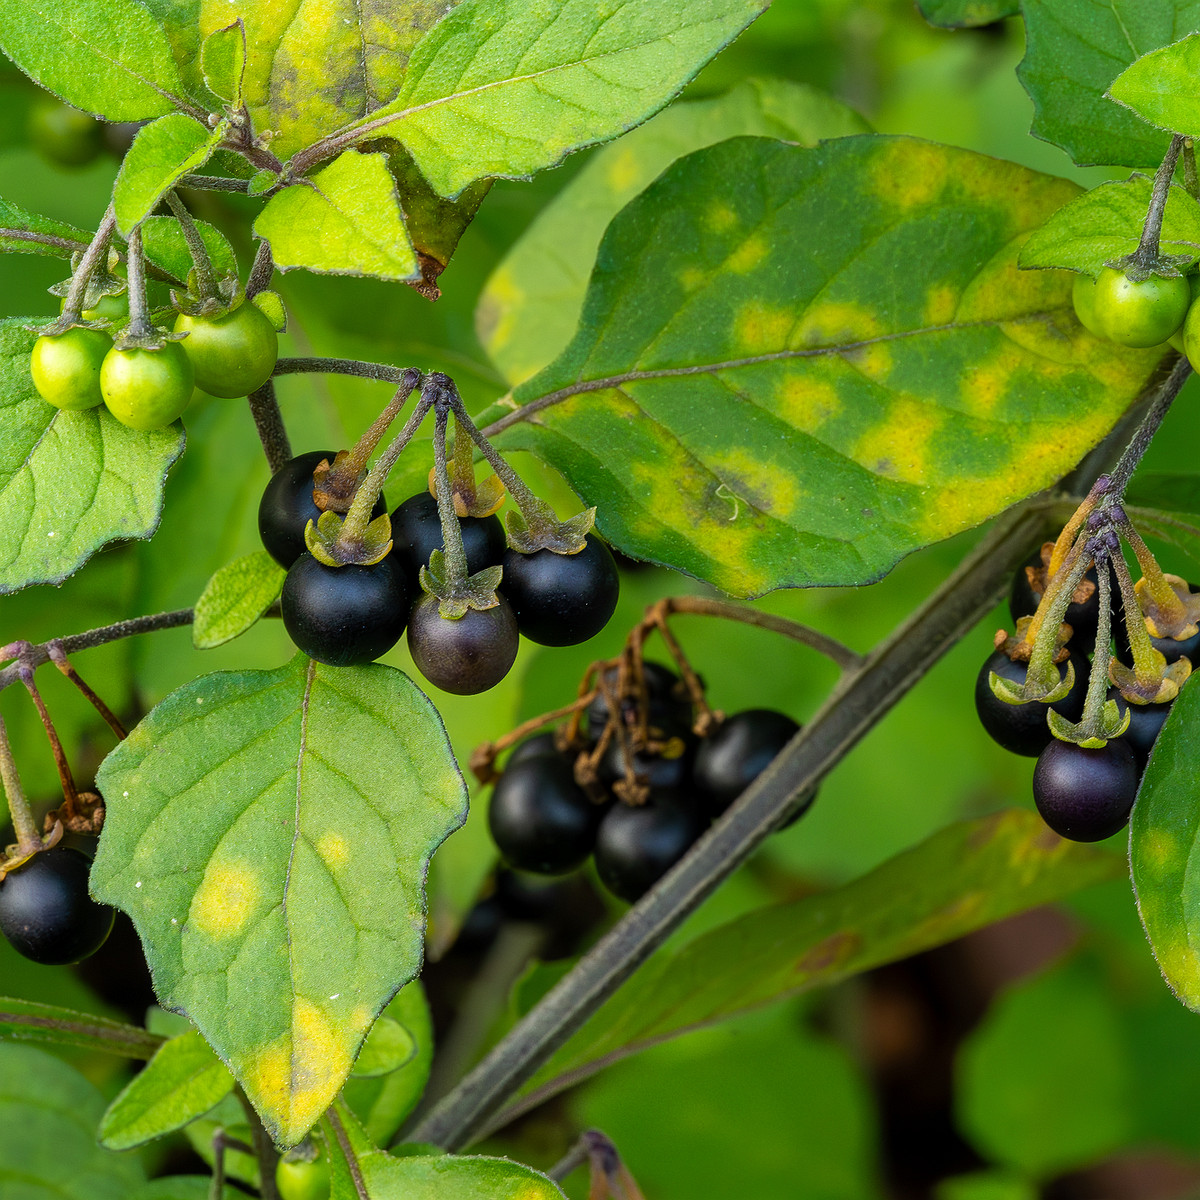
<point>1083,618</point>
<point>345,616</point>
<point>466,656</point>
<point>734,756</point>
<point>46,912</point>
<point>1022,728</point>
<point>668,770</point>
<point>562,599</point>
<point>540,818</point>
<point>637,845</point>
<point>1145,724</point>
<point>287,507</point>
<point>541,745</point>
<point>417,532</point>
<point>668,706</point>
<point>1085,795</point>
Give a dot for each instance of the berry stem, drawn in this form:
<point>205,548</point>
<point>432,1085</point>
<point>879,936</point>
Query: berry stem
<point>59,659</point>
<point>140,325</point>
<point>1147,254</point>
<point>358,458</point>
<point>1161,592</point>
<point>1092,721</point>
<point>264,407</point>
<point>1146,666</point>
<point>216,1189</point>
<point>95,256</point>
<point>1066,539</point>
<point>206,280</point>
<point>483,757</point>
<point>454,552</point>
<point>65,776</point>
<point>24,826</point>
<point>261,270</point>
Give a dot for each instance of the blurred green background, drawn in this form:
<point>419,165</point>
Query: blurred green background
<point>1043,1057</point>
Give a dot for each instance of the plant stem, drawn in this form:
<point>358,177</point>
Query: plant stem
<point>94,256</point>
<point>24,826</point>
<point>380,372</point>
<point>861,698</point>
<point>213,183</point>
<point>261,271</point>
<point>1191,181</point>
<point>264,1149</point>
<point>358,458</point>
<point>352,1163</point>
<point>272,432</point>
<point>206,282</point>
<point>525,500</point>
<point>1122,473</point>
<point>1148,249</point>
<point>37,655</point>
<point>453,551</point>
<point>140,324</point>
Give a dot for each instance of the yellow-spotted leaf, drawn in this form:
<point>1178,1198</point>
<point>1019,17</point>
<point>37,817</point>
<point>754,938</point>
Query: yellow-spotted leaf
<point>795,366</point>
<point>69,481</point>
<point>269,832</point>
<point>344,220</point>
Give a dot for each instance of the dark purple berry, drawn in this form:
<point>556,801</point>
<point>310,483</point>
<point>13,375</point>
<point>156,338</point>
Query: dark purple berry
<point>1085,795</point>
<point>737,753</point>
<point>46,912</point>
<point>637,845</point>
<point>668,706</point>
<point>1145,724</point>
<point>1022,728</point>
<point>1083,618</point>
<point>562,599</point>
<point>417,533</point>
<point>345,616</point>
<point>287,507</point>
<point>668,770</point>
<point>463,656</point>
<point>541,820</point>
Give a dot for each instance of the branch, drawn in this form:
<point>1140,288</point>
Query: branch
<point>862,697</point>
<point>380,372</point>
<point>213,183</point>
<point>40,654</point>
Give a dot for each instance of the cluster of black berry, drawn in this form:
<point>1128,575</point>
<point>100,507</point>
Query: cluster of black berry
<point>1083,793</point>
<point>45,910</point>
<point>352,614</point>
<point>554,806</point>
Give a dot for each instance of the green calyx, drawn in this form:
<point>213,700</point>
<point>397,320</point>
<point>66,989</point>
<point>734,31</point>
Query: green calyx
<point>456,599</point>
<point>537,528</point>
<point>328,542</point>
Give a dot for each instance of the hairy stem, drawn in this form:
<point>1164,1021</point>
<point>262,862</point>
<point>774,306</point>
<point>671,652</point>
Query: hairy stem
<point>95,256</point>
<point>380,372</point>
<point>206,281</point>
<point>24,826</point>
<point>1122,473</point>
<point>140,324</point>
<point>213,183</point>
<point>453,551</point>
<point>1148,249</point>
<point>268,420</point>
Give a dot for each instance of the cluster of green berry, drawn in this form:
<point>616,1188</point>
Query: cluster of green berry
<point>226,354</point>
<point>353,614</point>
<point>543,819</point>
<point>1084,793</point>
<point>1140,312</point>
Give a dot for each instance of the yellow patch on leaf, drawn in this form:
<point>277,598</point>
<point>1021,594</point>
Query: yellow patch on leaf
<point>226,898</point>
<point>898,449</point>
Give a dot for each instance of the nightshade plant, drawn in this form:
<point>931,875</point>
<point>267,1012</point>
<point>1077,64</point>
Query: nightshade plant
<point>779,351</point>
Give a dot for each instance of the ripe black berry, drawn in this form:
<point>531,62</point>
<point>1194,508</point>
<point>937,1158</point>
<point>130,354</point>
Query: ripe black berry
<point>668,706</point>
<point>287,507</point>
<point>1083,618</point>
<point>637,845</point>
<point>417,532</point>
<point>466,656</point>
<point>345,616</point>
<point>1022,728</point>
<point>1145,724</point>
<point>541,745</point>
<point>46,912</point>
<point>669,770</point>
<point>562,599</point>
<point>1085,795</point>
<point>540,819</point>
<point>736,754</point>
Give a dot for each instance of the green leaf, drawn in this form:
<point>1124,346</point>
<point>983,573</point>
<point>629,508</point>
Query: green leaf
<point>182,1082</point>
<point>234,599</point>
<point>165,247</point>
<point>967,14</point>
<point>223,61</point>
<point>1105,224</point>
<point>381,1103</point>
<point>987,1185</point>
<point>1043,1081</point>
<point>1169,490</point>
<point>162,153</point>
<point>344,220</point>
<point>1161,87</point>
<point>1163,838</point>
<point>529,308</point>
<point>29,233</point>
<point>272,829</point>
<point>1074,50</point>
<point>25,1021</point>
<point>431,1177</point>
<point>230,1117</point>
<point>48,1117</point>
<point>182,1187</point>
<point>388,1047</point>
<point>111,59</point>
<point>508,87</point>
<point>69,481</point>
<point>963,878</point>
<point>1168,526</point>
<point>797,366</point>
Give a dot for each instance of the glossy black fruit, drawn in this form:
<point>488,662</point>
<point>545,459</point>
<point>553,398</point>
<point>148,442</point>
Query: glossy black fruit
<point>1085,795</point>
<point>562,599</point>
<point>1083,618</point>
<point>541,745</point>
<point>345,616</point>
<point>417,532</point>
<point>1022,728</point>
<point>1145,724</point>
<point>540,819</point>
<point>636,846</point>
<point>46,912</point>
<point>668,706</point>
<point>670,770</point>
<point>737,753</point>
<point>287,507</point>
<point>466,656</point>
